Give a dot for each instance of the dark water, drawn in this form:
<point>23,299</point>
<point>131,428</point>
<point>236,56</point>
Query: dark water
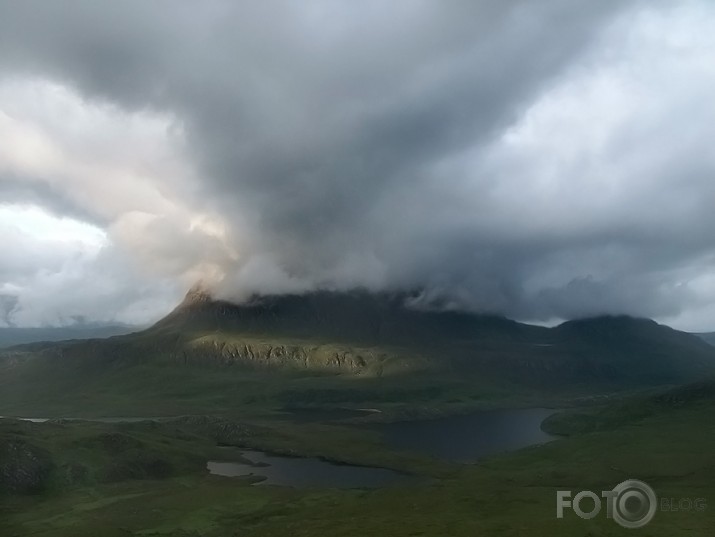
<point>465,438</point>
<point>306,472</point>
<point>470,437</point>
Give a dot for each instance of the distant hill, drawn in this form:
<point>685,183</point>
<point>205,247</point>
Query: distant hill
<point>697,397</point>
<point>17,336</point>
<point>709,337</point>
<point>648,348</point>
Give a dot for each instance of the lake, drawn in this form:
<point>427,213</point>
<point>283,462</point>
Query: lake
<point>306,472</point>
<point>470,437</point>
<point>466,438</point>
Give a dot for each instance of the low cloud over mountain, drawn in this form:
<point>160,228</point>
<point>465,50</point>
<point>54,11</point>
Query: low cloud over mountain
<point>540,160</point>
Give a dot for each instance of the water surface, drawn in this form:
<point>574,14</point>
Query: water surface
<point>306,472</point>
<point>470,437</point>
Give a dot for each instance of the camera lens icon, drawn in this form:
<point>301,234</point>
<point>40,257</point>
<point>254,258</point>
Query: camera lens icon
<point>634,504</point>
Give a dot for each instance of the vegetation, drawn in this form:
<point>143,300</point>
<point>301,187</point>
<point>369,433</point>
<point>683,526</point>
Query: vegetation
<point>695,396</point>
<point>511,495</point>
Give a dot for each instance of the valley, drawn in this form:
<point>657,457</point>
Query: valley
<point>148,478</point>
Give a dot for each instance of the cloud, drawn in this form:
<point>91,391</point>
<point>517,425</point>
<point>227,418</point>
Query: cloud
<point>57,270</point>
<point>543,160</point>
<point>92,166</point>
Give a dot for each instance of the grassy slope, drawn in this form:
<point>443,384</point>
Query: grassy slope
<point>510,495</point>
<point>63,388</point>
<point>692,397</point>
<point>150,390</point>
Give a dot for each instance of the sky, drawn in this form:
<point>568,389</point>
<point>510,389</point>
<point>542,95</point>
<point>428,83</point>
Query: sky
<point>541,160</point>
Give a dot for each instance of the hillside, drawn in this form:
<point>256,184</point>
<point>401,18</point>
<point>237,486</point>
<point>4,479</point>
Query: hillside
<point>697,398</point>
<point>310,349</point>
<point>649,349</point>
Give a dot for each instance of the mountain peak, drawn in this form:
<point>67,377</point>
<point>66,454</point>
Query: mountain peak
<point>198,294</point>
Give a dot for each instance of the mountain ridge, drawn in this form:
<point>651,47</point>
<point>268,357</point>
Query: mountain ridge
<point>345,348</point>
<point>361,333</point>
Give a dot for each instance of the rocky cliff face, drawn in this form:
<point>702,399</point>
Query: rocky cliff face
<point>263,355</point>
<point>213,351</point>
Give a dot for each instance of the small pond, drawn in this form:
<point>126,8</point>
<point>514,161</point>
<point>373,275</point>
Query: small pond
<point>306,472</point>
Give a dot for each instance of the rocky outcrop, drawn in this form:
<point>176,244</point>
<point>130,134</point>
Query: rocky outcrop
<point>216,352</point>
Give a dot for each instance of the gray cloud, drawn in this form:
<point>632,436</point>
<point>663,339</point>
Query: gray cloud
<point>543,160</point>
<point>15,190</point>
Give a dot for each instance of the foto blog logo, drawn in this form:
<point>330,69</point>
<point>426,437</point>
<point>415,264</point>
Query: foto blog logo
<point>631,504</point>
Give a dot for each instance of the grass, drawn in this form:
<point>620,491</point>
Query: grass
<point>151,390</point>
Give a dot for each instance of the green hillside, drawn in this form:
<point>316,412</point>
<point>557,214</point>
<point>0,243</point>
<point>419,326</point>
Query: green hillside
<point>697,398</point>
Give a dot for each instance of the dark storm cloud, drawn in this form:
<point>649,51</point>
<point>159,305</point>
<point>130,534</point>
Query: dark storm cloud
<point>372,143</point>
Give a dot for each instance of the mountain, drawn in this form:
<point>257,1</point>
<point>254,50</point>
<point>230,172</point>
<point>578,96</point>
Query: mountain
<point>356,318</point>
<point>305,349</point>
<point>360,333</point>
<point>614,347</point>
<point>649,349</point>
